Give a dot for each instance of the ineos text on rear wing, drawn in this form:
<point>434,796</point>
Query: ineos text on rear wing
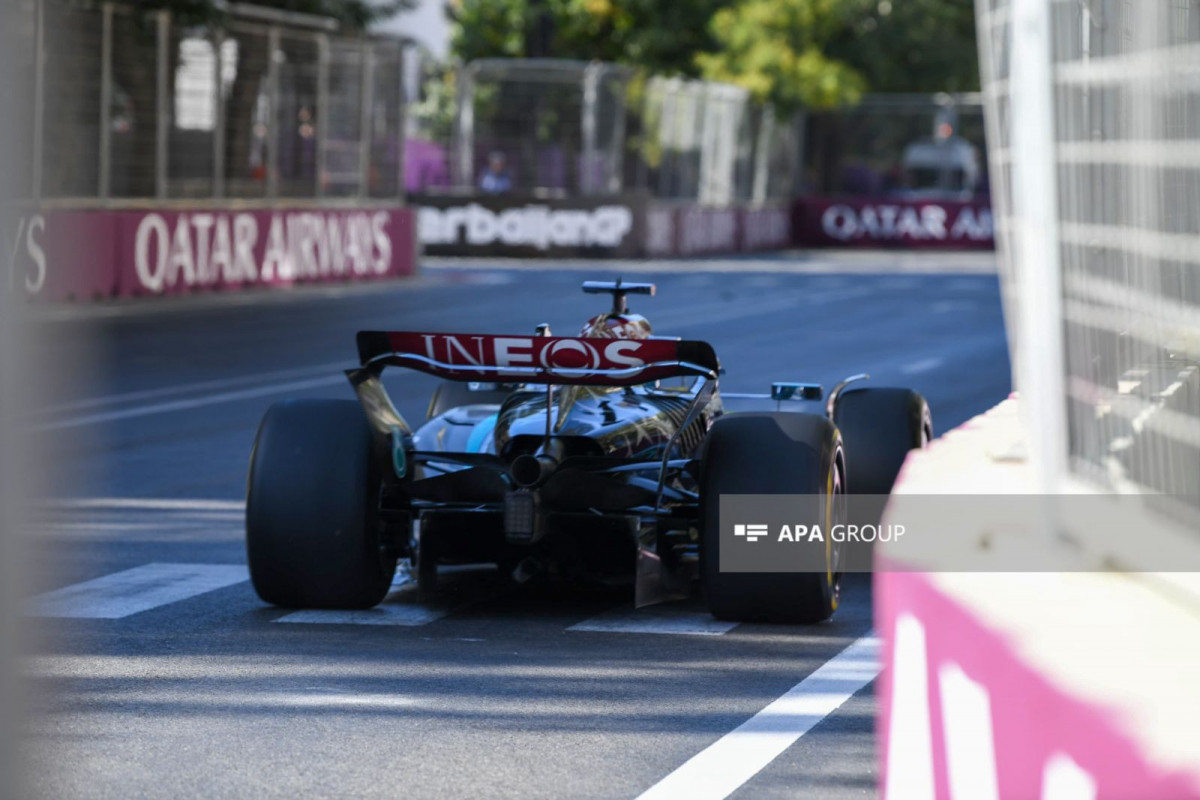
<point>537,359</point>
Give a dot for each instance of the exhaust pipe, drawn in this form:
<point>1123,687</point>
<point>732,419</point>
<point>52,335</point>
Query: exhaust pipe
<point>528,470</point>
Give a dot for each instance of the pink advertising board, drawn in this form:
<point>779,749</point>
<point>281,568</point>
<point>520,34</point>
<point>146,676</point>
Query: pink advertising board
<point>83,255</point>
<point>963,715</point>
<point>892,222</point>
<point>684,229</point>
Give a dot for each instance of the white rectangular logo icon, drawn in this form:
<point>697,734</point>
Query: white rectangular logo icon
<point>752,533</point>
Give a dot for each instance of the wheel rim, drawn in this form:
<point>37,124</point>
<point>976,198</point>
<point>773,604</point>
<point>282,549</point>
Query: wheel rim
<point>838,516</point>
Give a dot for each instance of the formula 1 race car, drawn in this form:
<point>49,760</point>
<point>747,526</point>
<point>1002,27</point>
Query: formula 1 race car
<point>597,458</point>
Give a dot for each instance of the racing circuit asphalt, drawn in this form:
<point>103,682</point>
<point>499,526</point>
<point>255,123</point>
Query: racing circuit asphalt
<point>192,687</point>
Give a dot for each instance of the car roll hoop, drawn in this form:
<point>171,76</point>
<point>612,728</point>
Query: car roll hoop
<point>618,289</point>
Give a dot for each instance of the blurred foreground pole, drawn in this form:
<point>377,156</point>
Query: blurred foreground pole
<point>1038,317</point>
<point>16,20</point>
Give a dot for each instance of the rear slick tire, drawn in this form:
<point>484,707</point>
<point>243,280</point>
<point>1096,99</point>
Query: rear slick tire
<point>879,426</point>
<point>768,453</point>
<point>313,537</point>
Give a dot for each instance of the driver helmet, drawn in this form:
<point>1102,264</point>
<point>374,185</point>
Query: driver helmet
<point>617,326</point>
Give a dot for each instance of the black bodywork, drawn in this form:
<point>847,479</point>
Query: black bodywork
<point>589,473</point>
<point>577,481</point>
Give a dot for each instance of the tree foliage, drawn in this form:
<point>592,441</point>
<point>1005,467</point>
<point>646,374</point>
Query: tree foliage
<point>810,53</point>
<point>779,51</point>
<point>913,46</point>
<point>825,53</point>
<point>662,37</point>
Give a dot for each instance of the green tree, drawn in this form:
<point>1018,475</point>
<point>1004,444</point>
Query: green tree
<point>778,50</point>
<point>826,53</point>
<point>913,46</point>
<point>661,37</point>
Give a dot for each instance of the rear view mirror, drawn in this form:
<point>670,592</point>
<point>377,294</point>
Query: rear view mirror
<point>489,386</point>
<point>783,390</point>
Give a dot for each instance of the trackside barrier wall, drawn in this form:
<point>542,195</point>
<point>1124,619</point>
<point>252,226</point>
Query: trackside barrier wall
<point>84,255</point>
<point>626,226</point>
<point>891,222</point>
<point>1049,684</point>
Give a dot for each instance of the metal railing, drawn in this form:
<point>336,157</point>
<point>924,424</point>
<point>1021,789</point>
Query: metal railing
<point>131,104</point>
<point>1094,120</point>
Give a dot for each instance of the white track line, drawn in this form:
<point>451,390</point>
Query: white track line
<point>655,619</point>
<point>183,405</point>
<point>392,611</point>
<point>144,504</point>
<point>190,388</point>
<point>135,590</point>
<point>719,769</point>
<point>924,365</point>
<point>386,613</point>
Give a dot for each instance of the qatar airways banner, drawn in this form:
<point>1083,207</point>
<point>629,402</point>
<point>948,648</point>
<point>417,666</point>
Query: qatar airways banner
<point>97,254</point>
<point>889,222</point>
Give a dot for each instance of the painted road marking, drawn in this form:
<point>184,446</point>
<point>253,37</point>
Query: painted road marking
<point>924,365</point>
<point>122,594</point>
<point>407,615</point>
<point>953,306</point>
<point>145,504</point>
<point>719,769</point>
<point>392,611</point>
<point>183,405</point>
<point>191,388</point>
<point>655,619</point>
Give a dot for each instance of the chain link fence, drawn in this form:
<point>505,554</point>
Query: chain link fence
<point>565,128</point>
<point>1112,149</point>
<point>915,146</point>
<point>134,104</point>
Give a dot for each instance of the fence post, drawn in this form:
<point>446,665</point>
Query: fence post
<point>218,142</point>
<point>587,125</point>
<point>39,92</point>
<point>364,126</point>
<point>1040,367</point>
<point>162,101</point>
<point>762,155</point>
<point>707,143</point>
<point>464,129</point>
<point>272,165</point>
<point>401,123</point>
<point>616,174</point>
<point>322,111</point>
<point>799,135</point>
<point>104,179</point>
<point>666,137</point>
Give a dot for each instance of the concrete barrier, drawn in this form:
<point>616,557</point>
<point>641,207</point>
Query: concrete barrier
<point>1058,685</point>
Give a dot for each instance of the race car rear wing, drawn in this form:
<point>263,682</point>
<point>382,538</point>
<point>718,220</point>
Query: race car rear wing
<point>538,359</point>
